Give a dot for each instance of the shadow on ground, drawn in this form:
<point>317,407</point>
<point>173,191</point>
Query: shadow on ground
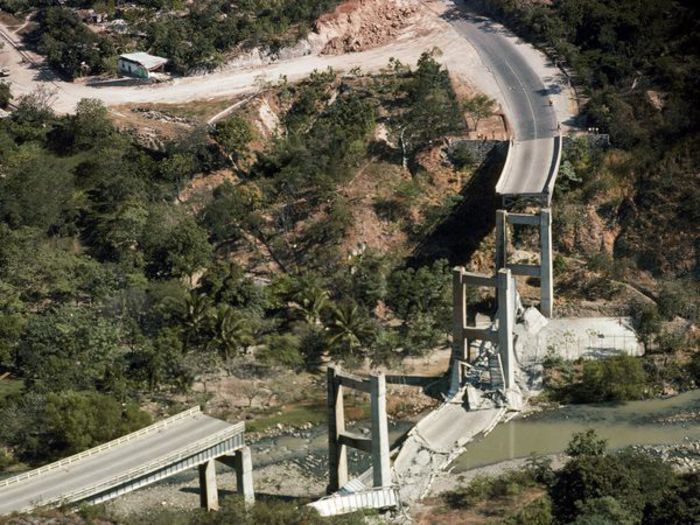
<point>458,237</point>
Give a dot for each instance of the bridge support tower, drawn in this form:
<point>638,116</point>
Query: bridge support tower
<point>339,439</point>
<point>543,270</point>
<point>463,335</point>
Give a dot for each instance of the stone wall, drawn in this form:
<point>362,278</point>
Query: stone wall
<point>479,149</point>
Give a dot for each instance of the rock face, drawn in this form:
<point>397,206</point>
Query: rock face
<point>358,25</point>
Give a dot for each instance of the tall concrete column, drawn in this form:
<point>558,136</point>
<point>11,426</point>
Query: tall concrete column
<point>244,474</point>
<point>460,347</point>
<point>208,492</point>
<point>337,452</point>
<point>501,239</point>
<point>546,269</point>
<point>381,466</point>
<point>505,325</point>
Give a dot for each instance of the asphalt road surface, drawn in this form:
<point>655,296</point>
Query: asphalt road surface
<point>108,464</point>
<point>527,104</point>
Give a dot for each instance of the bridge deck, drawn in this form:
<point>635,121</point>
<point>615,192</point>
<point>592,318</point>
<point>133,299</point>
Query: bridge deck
<point>533,161</point>
<point>156,443</point>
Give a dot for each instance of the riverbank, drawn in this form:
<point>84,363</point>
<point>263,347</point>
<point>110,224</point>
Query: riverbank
<point>652,422</point>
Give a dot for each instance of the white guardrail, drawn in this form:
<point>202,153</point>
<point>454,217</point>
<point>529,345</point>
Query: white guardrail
<point>101,448</point>
<point>374,498</point>
<point>554,167</point>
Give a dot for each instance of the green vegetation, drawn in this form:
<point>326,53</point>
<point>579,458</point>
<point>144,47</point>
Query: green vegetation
<point>5,94</point>
<point>593,487</point>
<point>639,64</point>
<point>194,38</point>
<point>69,46</point>
<point>617,378</point>
<point>116,289</point>
<point>232,511</point>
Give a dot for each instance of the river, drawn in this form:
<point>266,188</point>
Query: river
<point>650,422</point>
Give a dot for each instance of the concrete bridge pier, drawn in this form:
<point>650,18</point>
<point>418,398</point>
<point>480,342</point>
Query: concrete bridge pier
<point>543,270</point>
<point>241,461</point>
<point>208,491</point>
<point>463,334</point>
<point>339,439</point>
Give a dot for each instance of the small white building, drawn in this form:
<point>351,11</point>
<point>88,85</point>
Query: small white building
<point>140,64</point>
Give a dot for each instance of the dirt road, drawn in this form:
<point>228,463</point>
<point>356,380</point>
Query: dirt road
<point>431,30</point>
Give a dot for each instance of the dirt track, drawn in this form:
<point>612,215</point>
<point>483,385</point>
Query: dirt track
<point>429,31</point>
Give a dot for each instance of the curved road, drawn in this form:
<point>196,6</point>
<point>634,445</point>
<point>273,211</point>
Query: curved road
<point>528,102</point>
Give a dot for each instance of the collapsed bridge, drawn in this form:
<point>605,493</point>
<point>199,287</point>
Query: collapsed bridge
<point>186,440</point>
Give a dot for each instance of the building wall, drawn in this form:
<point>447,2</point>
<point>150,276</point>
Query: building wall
<point>131,69</point>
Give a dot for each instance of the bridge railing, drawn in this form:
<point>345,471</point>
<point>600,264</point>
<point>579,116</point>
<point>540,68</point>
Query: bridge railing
<point>101,448</point>
<point>197,446</point>
<point>506,165</point>
<point>554,167</point>
<point>372,498</point>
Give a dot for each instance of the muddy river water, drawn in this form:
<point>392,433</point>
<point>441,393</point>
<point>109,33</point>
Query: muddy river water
<point>650,422</point>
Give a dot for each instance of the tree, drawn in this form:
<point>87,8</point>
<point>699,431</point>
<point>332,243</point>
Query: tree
<point>67,348</point>
<point>434,111</point>
<point>194,315</point>
<point>91,125</point>
<point>348,330</point>
<point>586,444</point>
<point>616,378</point>
<point>623,476</point>
<point>479,107</point>
<point>233,213</point>
<point>604,511</point>
<point>421,298</point>
<point>310,300</point>
<point>5,94</point>
<point>233,135</point>
<point>174,244</point>
<point>45,427</point>
<point>35,189</point>
<point>232,334</point>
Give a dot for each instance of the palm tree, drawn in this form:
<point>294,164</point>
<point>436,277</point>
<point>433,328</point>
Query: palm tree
<point>194,312</point>
<point>232,334</point>
<point>348,329</point>
<point>311,302</point>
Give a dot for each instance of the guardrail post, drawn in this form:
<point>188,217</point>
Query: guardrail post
<point>208,492</point>
<point>244,474</point>
<point>381,467</point>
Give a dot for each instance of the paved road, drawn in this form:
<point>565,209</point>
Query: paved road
<point>526,101</point>
<point>108,464</point>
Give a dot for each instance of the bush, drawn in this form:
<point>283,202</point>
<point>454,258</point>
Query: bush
<point>5,94</point>
<point>60,424</point>
<point>509,484</point>
<point>461,156</point>
<point>586,444</point>
<point>617,378</point>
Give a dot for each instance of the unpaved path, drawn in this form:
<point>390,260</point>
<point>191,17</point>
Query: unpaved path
<point>432,29</point>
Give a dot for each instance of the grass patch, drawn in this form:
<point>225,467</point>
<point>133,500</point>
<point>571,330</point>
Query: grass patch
<point>9,387</point>
<point>297,415</point>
